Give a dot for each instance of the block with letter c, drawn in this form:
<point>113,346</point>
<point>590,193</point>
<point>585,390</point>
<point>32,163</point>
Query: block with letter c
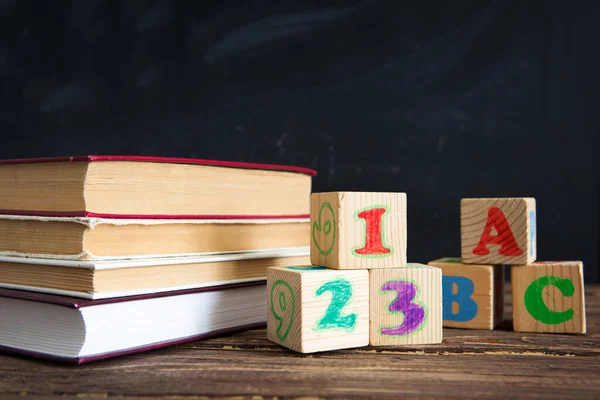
<point>549,297</point>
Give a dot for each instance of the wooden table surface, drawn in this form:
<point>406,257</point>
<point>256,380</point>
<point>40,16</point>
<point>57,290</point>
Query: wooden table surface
<point>469,364</point>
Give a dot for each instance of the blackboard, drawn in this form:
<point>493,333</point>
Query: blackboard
<point>441,100</point>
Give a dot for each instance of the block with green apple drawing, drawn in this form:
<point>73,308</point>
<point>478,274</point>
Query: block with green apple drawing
<point>358,230</point>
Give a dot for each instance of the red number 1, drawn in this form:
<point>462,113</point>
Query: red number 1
<point>373,237</point>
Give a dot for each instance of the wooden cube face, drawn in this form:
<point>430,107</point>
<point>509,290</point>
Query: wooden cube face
<point>311,309</point>
<point>358,230</point>
<point>548,297</point>
<point>472,295</point>
<point>406,305</point>
<point>498,231</point>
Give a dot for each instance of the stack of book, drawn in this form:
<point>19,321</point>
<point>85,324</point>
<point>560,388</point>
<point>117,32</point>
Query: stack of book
<point>106,255</point>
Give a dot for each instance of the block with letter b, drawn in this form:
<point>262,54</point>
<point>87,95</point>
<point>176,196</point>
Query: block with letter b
<point>358,230</point>
<point>406,305</point>
<point>548,297</point>
<point>472,295</point>
<point>498,231</point>
<point>311,309</point>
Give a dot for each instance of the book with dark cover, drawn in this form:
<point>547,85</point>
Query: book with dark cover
<point>76,330</point>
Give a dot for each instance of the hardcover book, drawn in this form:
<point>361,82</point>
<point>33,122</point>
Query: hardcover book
<point>152,187</point>
<point>102,238</point>
<point>78,331</point>
<point>98,279</point>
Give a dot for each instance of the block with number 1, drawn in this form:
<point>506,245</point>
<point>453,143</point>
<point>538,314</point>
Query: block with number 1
<point>358,230</point>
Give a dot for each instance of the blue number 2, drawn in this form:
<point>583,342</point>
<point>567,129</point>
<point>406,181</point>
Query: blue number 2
<point>341,293</point>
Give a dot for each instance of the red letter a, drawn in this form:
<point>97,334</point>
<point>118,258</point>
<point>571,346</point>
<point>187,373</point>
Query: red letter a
<point>505,238</point>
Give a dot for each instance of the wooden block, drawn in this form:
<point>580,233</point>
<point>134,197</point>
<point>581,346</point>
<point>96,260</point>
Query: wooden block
<point>498,231</point>
<point>357,230</point>
<point>472,294</point>
<point>312,309</point>
<point>548,297</point>
<point>406,305</point>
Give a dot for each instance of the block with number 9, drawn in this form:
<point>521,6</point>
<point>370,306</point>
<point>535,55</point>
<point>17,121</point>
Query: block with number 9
<point>311,309</point>
<point>406,305</point>
<point>358,230</point>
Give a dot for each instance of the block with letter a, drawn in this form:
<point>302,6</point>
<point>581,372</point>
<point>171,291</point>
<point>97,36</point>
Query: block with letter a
<point>358,230</point>
<point>548,297</point>
<point>498,231</point>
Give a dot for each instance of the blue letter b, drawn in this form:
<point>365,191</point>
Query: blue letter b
<point>467,308</point>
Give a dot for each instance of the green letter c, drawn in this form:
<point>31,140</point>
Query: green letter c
<point>534,301</point>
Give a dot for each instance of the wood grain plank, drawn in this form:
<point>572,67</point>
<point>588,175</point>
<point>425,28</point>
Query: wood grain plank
<point>468,364</point>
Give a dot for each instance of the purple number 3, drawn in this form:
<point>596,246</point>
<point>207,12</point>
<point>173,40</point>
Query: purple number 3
<point>414,314</point>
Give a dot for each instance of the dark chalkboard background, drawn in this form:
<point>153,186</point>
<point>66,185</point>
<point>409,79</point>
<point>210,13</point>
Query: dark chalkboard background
<point>441,100</point>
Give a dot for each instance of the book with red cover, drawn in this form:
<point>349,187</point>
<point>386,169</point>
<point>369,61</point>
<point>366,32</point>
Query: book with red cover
<point>116,186</point>
<point>76,330</point>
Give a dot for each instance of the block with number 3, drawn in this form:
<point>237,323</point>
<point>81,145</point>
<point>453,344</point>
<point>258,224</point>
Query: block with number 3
<point>406,305</point>
<point>358,230</point>
<point>311,309</point>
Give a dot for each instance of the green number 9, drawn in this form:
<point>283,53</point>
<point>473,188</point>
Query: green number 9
<point>283,307</point>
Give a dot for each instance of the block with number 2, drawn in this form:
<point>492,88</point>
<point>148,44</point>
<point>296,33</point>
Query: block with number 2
<point>358,230</point>
<point>311,309</point>
<point>406,305</point>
